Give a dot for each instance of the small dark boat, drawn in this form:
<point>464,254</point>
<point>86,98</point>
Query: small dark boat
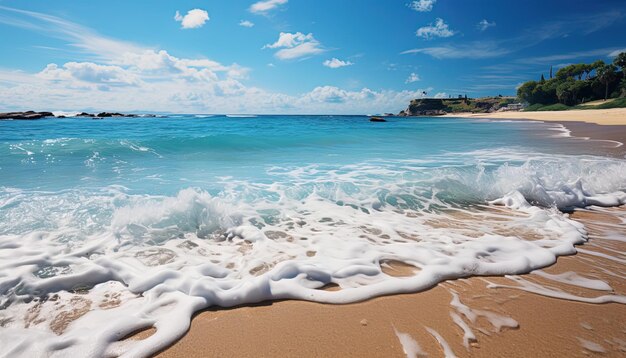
<point>377,119</point>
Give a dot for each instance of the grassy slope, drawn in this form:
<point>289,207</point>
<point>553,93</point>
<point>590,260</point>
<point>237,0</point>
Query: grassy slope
<point>616,103</point>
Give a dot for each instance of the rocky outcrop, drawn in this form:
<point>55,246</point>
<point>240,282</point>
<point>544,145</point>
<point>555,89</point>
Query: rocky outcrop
<point>425,107</point>
<point>114,114</point>
<point>38,115</point>
<point>441,106</point>
<point>377,119</point>
<point>25,115</point>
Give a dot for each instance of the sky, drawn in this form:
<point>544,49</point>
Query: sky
<point>288,56</point>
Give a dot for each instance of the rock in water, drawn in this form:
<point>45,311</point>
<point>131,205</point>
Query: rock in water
<point>377,119</point>
<point>25,115</point>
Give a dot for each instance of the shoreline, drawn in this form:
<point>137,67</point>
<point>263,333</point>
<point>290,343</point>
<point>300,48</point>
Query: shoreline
<point>510,321</point>
<point>603,117</point>
<point>583,124</point>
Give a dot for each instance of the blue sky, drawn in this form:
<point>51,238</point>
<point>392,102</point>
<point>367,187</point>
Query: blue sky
<point>288,56</point>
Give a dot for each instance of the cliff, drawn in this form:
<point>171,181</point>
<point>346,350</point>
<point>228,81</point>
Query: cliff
<point>441,106</point>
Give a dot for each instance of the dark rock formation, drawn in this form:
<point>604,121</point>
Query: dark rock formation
<point>114,114</point>
<point>25,115</point>
<point>425,107</point>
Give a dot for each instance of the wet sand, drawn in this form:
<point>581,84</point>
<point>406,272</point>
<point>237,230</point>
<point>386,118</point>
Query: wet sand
<point>546,326</point>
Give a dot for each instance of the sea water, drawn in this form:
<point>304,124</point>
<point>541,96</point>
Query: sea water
<point>109,226</point>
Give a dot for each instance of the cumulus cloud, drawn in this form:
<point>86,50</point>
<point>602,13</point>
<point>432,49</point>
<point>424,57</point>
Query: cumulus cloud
<point>265,6</point>
<point>422,5</point>
<point>438,29</point>
<point>484,24</point>
<point>442,95</point>
<point>89,72</point>
<point>121,76</point>
<point>246,23</point>
<point>295,45</point>
<point>413,77</point>
<point>193,19</point>
<point>336,63</point>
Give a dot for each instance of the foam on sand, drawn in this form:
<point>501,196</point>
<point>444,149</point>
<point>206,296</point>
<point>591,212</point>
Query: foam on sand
<point>112,262</point>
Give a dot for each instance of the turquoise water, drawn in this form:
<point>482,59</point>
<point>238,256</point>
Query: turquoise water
<point>173,214</point>
<point>164,155</point>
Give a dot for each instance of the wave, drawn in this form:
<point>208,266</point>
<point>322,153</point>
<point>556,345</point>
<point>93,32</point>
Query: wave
<point>139,261</point>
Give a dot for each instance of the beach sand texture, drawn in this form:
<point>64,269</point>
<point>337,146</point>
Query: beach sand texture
<point>571,309</point>
<point>614,116</point>
<point>506,322</point>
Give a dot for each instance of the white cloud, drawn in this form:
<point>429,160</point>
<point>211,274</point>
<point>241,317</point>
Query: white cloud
<point>195,18</point>
<point>336,63</point>
<point>617,52</point>
<point>474,50</point>
<point>286,39</point>
<point>80,37</point>
<point>413,77</point>
<point>592,54</point>
<point>422,5</point>
<point>88,72</point>
<point>439,29</point>
<point>441,95</point>
<point>121,76</point>
<point>265,6</point>
<point>246,23</point>
<point>484,24</point>
<point>295,45</point>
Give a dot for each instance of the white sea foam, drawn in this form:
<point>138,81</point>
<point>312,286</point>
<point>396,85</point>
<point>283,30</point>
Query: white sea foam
<point>572,278</point>
<point>241,116</point>
<point>65,114</point>
<point>468,334</point>
<point>119,262</point>
<point>447,351</point>
<point>409,345</point>
<point>591,346</point>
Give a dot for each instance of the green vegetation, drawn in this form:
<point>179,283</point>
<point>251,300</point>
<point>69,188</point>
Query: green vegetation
<point>438,106</point>
<point>618,103</point>
<point>576,84</point>
<point>549,107</point>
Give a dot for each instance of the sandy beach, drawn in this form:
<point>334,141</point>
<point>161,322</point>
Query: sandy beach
<point>574,308</point>
<point>614,116</point>
<point>508,321</point>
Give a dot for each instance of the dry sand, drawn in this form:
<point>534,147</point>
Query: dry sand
<point>614,116</point>
<point>547,327</point>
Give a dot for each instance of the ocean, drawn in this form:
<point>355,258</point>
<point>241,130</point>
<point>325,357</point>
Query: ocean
<point>120,224</point>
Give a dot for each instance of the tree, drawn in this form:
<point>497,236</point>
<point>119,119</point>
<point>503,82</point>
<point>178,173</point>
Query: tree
<point>596,65</point>
<point>579,70</point>
<point>525,91</point>
<point>543,79</point>
<point>564,94</point>
<point>620,61</point>
<point>566,72</point>
<point>606,73</point>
